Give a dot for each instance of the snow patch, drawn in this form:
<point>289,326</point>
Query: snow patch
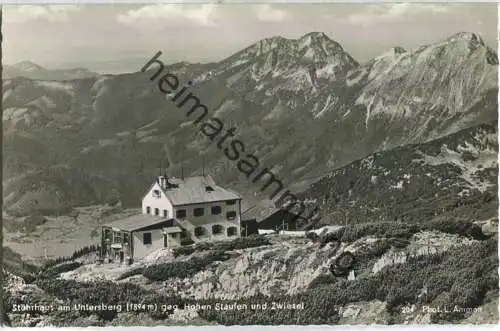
<point>325,107</point>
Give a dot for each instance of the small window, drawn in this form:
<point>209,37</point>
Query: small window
<point>184,234</point>
<point>181,213</point>
<point>174,235</point>
<point>217,229</point>
<point>146,238</point>
<point>209,188</point>
<point>231,202</point>
<point>118,238</point>
<point>231,231</point>
<point>231,215</point>
<point>156,194</point>
<point>148,210</point>
<point>216,210</point>
<point>199,231</point>
<point>165,213</point>
<point>198,212</point>
<point>157,211</point>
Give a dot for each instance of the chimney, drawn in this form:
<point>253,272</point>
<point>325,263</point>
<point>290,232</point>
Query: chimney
<point>163,182</point>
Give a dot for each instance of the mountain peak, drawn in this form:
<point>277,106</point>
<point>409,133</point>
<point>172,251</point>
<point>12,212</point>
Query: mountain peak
<point>274,38</point>
<point>469,37</point>
<point>398,50</point>
<point>473,42</point>
<point>316,38</point>
<point>321,42</point>
<point>315,35</point>
<point>391,53</point>
<point>28,66</point>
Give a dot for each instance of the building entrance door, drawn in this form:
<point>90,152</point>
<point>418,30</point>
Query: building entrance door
<point>116,255</point>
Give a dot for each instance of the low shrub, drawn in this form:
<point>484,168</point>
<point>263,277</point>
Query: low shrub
<point>24,270</point>
<point>464,276</point>
<point>324,279</point>
<point>407,230</point>
<point>238,243</point>
<point>58,269</point>
<point>76,254</point>
<point>459,227</point>
<point>184,250</point>
<point>244,242</point>
<point>183,269</point>
<point>130,273</point>
<point>312,236</point>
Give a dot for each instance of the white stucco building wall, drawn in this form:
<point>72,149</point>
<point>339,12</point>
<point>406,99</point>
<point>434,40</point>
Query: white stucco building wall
<point>153,201</point>
<point>208,219</point>
<point>141,250</point>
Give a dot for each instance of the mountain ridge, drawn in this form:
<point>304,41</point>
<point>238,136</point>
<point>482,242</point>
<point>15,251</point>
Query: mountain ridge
<point>302,117</point>
<point>32,70</point>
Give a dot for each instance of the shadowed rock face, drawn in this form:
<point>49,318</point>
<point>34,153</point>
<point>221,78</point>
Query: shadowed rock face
<point>305,106</point>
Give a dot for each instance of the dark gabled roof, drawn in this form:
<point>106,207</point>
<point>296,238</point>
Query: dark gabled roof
<point>249,227</point>
<point>258,213</point>
<point>136,222</point>
<point>199,189</point>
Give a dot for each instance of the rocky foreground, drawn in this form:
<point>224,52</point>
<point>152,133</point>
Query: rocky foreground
<point>403,274</point>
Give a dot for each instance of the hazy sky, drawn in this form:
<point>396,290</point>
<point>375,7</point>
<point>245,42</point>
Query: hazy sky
<point>115,38</point>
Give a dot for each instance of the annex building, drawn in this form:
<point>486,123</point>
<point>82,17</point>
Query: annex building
<point>175,212</point>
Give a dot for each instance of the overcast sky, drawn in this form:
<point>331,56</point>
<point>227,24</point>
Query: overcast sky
<point>118,38</point>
